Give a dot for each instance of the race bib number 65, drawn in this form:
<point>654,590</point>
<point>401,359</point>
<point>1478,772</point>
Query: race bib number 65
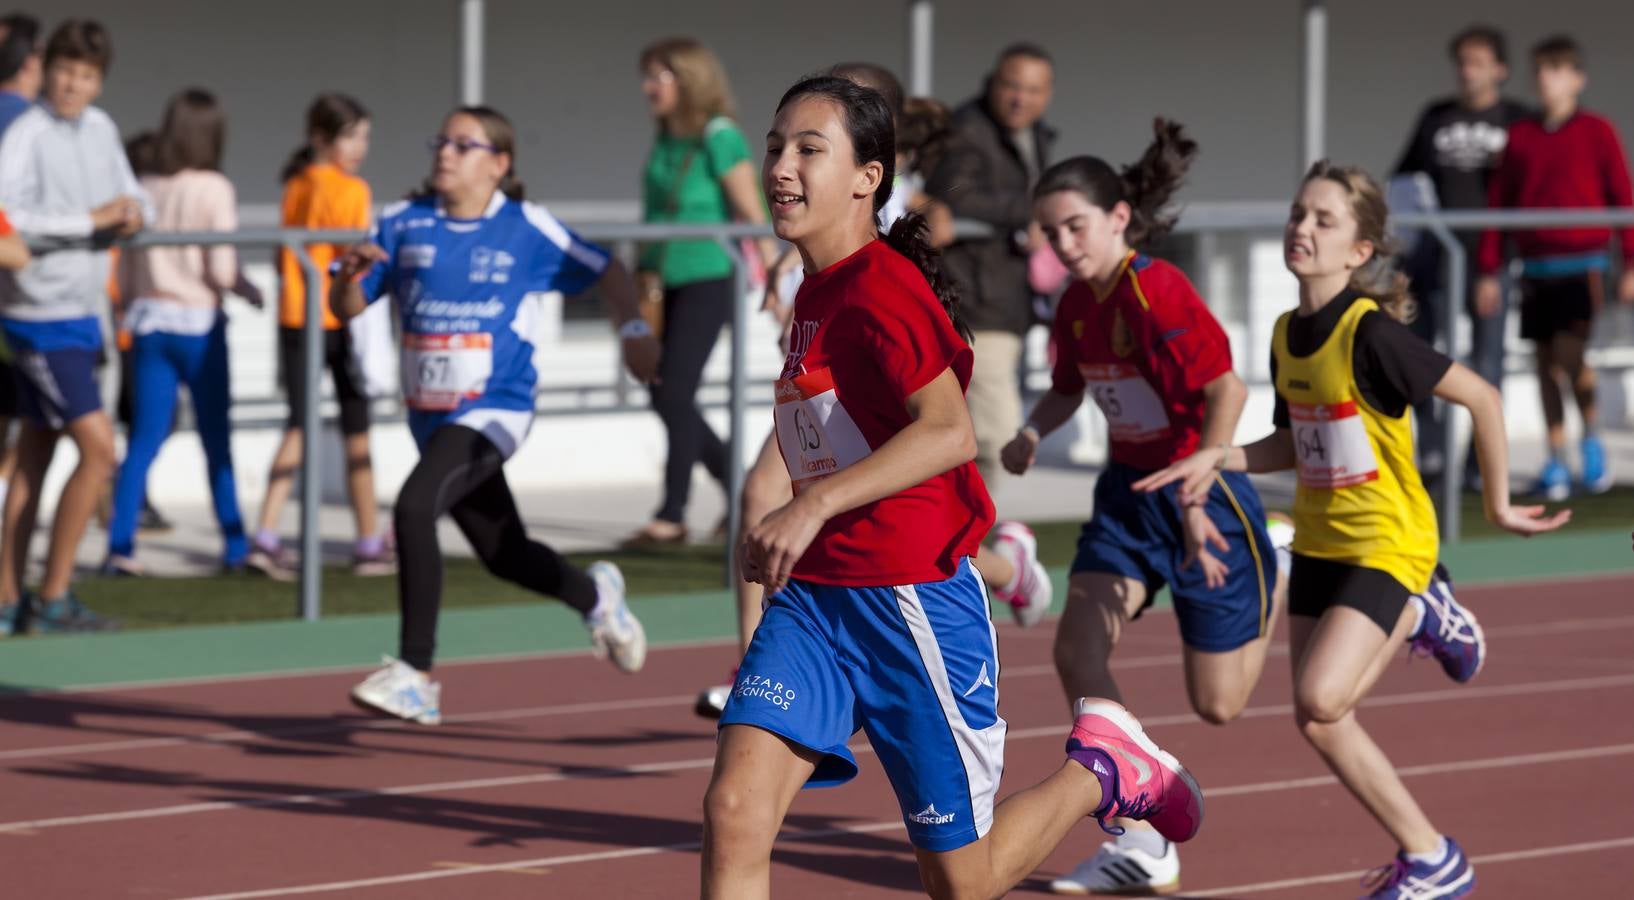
<point>1331,446</point>
<point>816,435</point>
<point>1134,412</point>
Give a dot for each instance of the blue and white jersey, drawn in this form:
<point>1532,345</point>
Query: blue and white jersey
<point>468,293</point>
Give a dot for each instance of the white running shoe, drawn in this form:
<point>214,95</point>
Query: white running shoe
<point>712,701</point>
<point>1280,529</point>
<point>398,689</point>
<point>1125,871</point>
<point>1031,593</point>
<point>614,630</point>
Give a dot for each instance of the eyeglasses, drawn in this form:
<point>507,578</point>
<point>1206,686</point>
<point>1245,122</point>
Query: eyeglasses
<point>461,145</point>
<point>662,76</point>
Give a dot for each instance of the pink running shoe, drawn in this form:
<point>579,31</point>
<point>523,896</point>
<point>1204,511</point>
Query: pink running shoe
<point>1148,784</point>
<point>1031,592</point>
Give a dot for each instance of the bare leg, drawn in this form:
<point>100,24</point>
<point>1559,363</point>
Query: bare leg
<point>92,434</point>
<point>757,776</point>
<point>1337,659</point>
<point>281,480</point>
<point>35,448</point>
<point>360,485</point>
<point>1219,684</point>
<point>1568,353</point>
<point>765,488</point>
<point>1554,408</point>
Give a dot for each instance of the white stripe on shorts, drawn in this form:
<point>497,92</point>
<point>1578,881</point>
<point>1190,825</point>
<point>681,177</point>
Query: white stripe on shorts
<point>981,750</point>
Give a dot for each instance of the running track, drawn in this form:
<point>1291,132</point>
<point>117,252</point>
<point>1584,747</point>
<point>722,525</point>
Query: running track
<point>556,777</point>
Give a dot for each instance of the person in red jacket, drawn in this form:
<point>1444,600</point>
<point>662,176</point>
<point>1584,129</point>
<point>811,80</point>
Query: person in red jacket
<point>1565,157</point>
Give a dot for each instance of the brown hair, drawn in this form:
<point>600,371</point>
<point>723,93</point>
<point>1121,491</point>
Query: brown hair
<point>83,40</point>
<point>1485,35</point>
<point>873,75</point>
<point>502,134</point>
<point>1147,185</point>
<point>699,77</point>
<point>329,116</point>
<point>193,134</point>
<point>1378,278</point>
<point>1557,50</point>
<point>923,130</point>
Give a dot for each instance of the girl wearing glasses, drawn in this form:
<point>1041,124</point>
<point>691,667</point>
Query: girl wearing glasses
<point>322,190</point>
<point>464,260</point>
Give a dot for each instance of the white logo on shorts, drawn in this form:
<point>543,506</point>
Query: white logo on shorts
<point>751,687</point>
<point>981,681</point>
<point>929,816</point>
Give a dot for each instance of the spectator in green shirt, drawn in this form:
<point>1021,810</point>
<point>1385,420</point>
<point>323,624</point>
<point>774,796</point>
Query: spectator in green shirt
<point>699,171</point>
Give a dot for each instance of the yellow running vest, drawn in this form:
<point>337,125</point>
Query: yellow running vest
<point>1360,500</point>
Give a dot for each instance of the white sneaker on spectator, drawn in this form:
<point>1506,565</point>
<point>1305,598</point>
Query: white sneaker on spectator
<point>614,631</point>
<point>1030,591</point>
<point>398,689</point>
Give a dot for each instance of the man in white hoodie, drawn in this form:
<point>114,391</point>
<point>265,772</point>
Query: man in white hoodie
<point>69,190</point>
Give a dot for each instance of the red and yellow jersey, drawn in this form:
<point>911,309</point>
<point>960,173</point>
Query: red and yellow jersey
<point>1144,351</point>
<point>320,196</point>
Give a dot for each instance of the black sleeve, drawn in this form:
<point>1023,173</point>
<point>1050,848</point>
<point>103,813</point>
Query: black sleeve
<point>1418,155</point>
<point>964,182</point>
<point>1394,368</point>
<point>1279,407</point>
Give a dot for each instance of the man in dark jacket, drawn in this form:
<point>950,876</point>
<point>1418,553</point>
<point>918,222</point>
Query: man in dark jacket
<point>998,148</point>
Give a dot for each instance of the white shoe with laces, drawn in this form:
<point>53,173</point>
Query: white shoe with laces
<point>615,632</point>
<point>1030,592</point>
<point>1123,871</point>
<point>398,689</point>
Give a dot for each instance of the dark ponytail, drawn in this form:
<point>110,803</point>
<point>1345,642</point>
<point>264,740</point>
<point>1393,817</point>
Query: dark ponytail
<point>329,116</point>
<point>870,123</point>
<point>1147,185</point>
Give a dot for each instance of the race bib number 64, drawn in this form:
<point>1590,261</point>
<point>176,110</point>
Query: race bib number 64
<point>1331,446</point>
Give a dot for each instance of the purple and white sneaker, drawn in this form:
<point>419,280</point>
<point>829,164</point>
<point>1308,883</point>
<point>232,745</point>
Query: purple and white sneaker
<point>1449,631</point>
<point>1405,879</point>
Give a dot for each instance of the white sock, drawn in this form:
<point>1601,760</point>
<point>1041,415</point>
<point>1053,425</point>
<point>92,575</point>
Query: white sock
<point>1417,603</point>
<point>1146,839</point>
<point>1434,857</point>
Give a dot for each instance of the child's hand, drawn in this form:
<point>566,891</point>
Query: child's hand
<point>1489,296</point>
<point>358,259</point>
<point>1528,520</point>
<point>1625,287</point>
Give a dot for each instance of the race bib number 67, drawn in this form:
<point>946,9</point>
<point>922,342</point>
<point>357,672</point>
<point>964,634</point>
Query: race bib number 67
<point>441,370</point>
<point>1331,446</point>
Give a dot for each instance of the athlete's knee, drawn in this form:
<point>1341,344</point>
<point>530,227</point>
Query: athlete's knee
<point>1217,710</point>
<point>735,820</point>
<point>1319,704</point>
<point>415,509</point>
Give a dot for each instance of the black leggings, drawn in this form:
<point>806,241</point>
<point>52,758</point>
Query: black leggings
<point>462,473</point>
<point>693,317</point>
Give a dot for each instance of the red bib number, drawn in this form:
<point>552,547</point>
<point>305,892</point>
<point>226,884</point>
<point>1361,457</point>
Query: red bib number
<point>442,370</point>
<point>816,435</point>
<point>1331,445</point>
<point>1134,412</point>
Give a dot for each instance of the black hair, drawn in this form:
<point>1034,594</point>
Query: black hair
<point>871,126</point>
<point>81,40</point>
<point>1558,50</point>
<point>1146,186</point>
<point>22,41</point>
<point>1025,50</point>
<point>1486,35</point>
<point>329,116</point>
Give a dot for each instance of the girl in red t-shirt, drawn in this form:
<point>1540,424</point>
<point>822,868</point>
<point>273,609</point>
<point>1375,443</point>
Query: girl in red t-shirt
<point>877,619</point>
<point>1131,332</point>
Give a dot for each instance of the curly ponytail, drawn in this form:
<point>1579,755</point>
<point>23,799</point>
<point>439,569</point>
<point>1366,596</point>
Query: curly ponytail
<point>1146,186</point>
<point>1379,278</point>
<point>910,236</point>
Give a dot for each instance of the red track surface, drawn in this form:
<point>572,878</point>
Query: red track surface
<point>559,778</point>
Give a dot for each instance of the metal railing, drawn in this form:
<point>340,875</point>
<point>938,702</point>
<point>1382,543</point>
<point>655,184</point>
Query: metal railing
<point>1212,219</point>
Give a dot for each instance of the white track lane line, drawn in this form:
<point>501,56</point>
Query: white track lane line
<point>1462,694</point>
<point>1484,859</point>
<point>795,837</point>
<point>229,738</point>
<point>1465,585</point>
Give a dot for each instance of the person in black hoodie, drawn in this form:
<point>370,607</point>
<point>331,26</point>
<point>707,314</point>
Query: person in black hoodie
<point>999,144</point>
<point>1457,143</point>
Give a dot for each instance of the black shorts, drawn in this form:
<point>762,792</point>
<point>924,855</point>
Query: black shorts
<point>337,356</point>
<point>10,406</point>
<point>1317,585</point>
<point>1550,306</point>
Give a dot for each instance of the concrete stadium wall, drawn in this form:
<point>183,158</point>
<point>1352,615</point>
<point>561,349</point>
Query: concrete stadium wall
<point>566,72</point>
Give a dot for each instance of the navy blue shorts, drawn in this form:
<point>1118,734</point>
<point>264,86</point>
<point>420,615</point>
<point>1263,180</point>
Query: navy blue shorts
<point>914,666</point>
<point>55,387</point>
<point>1140,536</point>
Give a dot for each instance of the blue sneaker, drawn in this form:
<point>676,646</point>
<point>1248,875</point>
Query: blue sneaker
<point>1596,474</point>
<point>60,616</point>
<point>1404,879</point>
<point>1554,482</point>
<point>1449,631</point>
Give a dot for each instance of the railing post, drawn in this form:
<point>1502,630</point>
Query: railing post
<point>737,405</point>
<point>1456,280</point>
<point>310,597</point>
